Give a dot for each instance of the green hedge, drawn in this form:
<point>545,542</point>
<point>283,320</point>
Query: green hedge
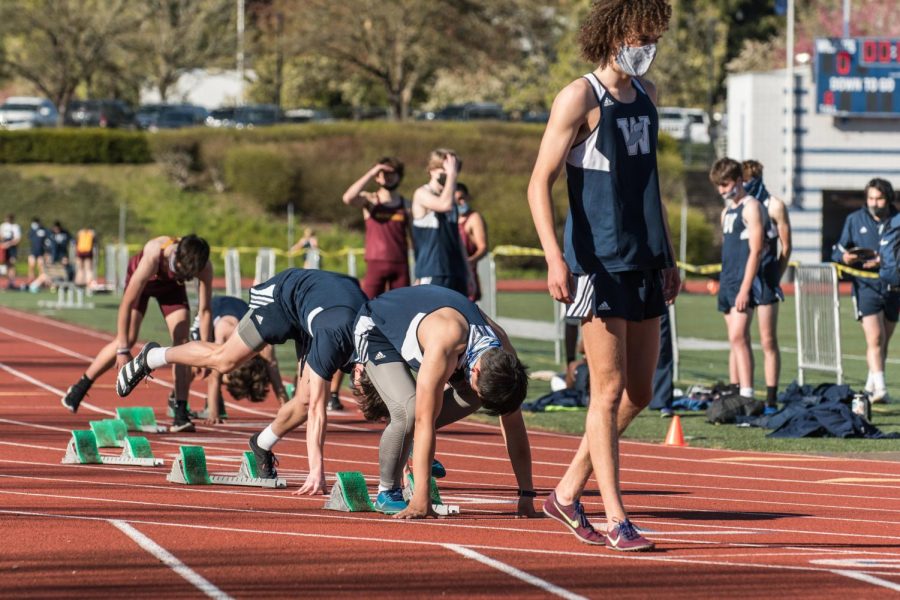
<point>74,146</point>
<point>264,174</point>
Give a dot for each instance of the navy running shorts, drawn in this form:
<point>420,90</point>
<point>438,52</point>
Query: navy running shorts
<point>630,295</point>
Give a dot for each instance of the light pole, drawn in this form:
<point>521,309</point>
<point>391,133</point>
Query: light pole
<point>791,98</point>
<point>240,51</point>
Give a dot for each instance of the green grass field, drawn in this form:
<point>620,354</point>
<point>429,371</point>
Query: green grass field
<point>696,318</point>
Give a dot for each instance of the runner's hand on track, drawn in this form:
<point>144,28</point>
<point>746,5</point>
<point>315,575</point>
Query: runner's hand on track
<point>313,486</point>
<point>413,511</point>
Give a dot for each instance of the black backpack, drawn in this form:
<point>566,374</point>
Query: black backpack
<point>727,408</point>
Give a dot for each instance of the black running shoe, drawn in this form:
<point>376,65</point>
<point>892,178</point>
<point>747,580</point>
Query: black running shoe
<point>334,403</point>
<point>134,371</point>
<point>182,423</point>
<point>75,394</point>
<point>265,459</point>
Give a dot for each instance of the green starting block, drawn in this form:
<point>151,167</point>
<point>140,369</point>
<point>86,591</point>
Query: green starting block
<point>350,493</point>
<point>83,450</point>
<point>437,504</point>
<point>139,418</point>
<point>110,433</point>
<point>189,468</point>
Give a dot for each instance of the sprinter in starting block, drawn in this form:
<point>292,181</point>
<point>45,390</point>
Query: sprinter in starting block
<point>314,308</point>
<point>464,362</point>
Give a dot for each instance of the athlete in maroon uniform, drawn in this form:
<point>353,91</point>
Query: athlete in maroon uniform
<point>158,271</point>
<point>473,233</point>
<point>387,223</point>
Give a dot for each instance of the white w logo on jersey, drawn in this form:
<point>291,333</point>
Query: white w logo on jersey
<point>728,224</point>
<point>636,133</point>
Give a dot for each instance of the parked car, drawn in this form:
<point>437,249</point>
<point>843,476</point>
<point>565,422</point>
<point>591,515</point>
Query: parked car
<point>466,112</point>
<point>221,117</point>
<point>256,115</point>
<point>173,117</point>
<point>99,113</point>
<point>306,115</point>
<point>147,115</point>
<point>27,112</point>
<point>679,122</point>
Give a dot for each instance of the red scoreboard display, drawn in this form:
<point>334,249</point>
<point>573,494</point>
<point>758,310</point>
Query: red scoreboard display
<point>858,77</point>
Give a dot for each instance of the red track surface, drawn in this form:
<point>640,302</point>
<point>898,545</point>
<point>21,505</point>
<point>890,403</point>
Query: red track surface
<point>726,523</point>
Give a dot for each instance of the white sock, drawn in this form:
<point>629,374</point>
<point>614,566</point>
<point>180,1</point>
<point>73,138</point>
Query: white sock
<point>878,381</point>
<point>156,358</point>
<point>869,381</point>
<point>267,438</point>
<point>747,392</point>
<point>383,488</point>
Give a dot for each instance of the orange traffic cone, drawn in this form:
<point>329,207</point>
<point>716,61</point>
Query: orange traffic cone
<point>675,437</point>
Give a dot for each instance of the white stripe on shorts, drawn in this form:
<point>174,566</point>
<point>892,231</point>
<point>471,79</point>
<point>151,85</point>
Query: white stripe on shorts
<point>583,305</point>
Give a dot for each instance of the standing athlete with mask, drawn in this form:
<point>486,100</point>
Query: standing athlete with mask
<point>877,307</point>
<point>440,259</point>
<point>741,288</point>
<point>603,129</point>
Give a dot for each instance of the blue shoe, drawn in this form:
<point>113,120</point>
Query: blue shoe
<point>390,501</point>
<point>770,410</point>
<point>437,469</point>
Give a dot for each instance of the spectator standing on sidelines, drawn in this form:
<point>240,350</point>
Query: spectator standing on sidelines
<point>777,230</point>
<point>741,287</point>
<point>37,238</point>
<point>310,244</point>
<point>60,240</point>
<point>876,306</point>
<point>473,234</point>
<point>386,216</point>
<point>603,130</point>
<point>10,236</point>
<point>85,242</point>
<point>440,259</point>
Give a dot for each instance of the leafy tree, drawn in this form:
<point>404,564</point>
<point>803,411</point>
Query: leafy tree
<point>58,44</point>
<point>178,35</point>
<point>401,44</point>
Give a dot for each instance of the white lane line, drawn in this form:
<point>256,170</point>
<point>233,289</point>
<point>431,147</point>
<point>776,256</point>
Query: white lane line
<point>164,383</point>
<point>170,560</point>
<point>381,540</point>
<point>865,577</point>
<point>514,572</point>
<point>50,388</point>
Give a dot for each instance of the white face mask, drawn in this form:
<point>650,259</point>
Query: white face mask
<point>636,61</point>
<point>730,194</point>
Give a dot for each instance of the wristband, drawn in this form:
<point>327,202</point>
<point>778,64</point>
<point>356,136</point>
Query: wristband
<point>123,351</point>
<point>527,494</point>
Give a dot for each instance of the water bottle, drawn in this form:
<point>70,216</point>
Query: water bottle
<point>861,406</point>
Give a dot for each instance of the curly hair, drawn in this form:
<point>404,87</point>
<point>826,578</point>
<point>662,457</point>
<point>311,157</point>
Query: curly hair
<point>503,383</point>
<point>369,400</point>
<point>191,256</point>
<point>611,22</point>
<point>250,380</point>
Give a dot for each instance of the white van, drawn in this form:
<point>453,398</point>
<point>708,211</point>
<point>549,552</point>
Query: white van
<point>681,122</point>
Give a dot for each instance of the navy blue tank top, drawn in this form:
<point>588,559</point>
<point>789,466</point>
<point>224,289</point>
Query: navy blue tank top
<point>615,220</point>
<point>735,247</point>
<point>387,327</point>
<point>304,293</point>
<point>438,248</point>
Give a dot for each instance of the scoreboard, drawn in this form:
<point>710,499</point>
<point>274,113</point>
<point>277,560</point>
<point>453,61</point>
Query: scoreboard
<point>858,77</point>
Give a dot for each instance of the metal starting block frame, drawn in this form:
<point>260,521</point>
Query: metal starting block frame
<point>436,503</point>
<point>68,295</point>
<point>139,418</point>
<point>110,433</point>
<point>189,468</point>
<point>83,450</point>
<point>350,493</point>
